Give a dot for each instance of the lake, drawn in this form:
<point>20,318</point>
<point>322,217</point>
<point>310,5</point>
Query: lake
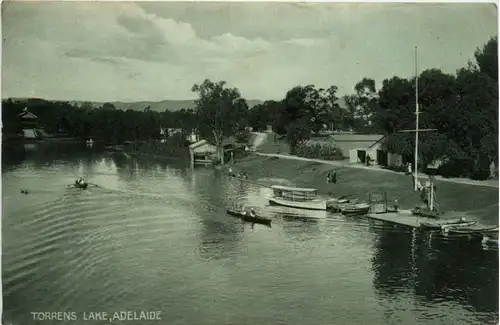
<point>154,237</point>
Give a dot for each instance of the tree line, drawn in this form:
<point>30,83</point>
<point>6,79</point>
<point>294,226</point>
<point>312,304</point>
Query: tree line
<point>462,107</point>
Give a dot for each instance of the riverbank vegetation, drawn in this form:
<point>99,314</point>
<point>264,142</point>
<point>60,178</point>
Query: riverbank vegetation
<point>319,149</point>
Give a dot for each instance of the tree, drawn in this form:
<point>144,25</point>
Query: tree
<point>219,110</point>
<point>300,105</point>
<point>362,107</point>
<point>298,131</point>
<point>487,58</point>
<point>328,111</point>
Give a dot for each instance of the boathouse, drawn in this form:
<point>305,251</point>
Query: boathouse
<point>357,147</point>
<point>202,152</point>
<point>29,122</point>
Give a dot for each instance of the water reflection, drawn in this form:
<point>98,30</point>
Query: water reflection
<point>435,271</point>
<point>219,234</point>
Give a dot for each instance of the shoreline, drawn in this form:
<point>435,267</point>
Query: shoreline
<point>338,163</point>
<point>359,183</point>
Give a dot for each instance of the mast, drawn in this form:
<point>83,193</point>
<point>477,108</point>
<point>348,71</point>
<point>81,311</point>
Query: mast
<point>417,122</point>
<point>431,199</point>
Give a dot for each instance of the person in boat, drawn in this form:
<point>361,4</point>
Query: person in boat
<point>252,212</point>
<point>80,181</point>
<point>329,178</point>
<point>334,178</point>
<point>244,176</point>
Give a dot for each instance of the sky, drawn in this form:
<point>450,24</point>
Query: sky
<point>152,51</point>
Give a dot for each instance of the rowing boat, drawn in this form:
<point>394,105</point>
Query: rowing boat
<point>472,230</point>
<point>356,209</point>
<point>449,223</point>
<point>82,186</point>
<point>337,205</point>
<point>245,216</point>
<point>460,225</point>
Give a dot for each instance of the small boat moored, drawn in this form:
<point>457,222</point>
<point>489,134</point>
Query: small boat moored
<point>460,225</point>
<point>248,217</point>
<point>447,223</point>
<point>356,209</point>
<point>480,231</point>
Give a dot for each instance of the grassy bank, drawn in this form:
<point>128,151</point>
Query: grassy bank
<point>480,202</point>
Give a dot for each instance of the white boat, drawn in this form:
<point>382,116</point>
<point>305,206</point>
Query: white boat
<point>296,197</point>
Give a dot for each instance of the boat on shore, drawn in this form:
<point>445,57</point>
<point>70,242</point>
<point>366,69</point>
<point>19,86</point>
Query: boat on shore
<point>296,197</point>
<point>248,217</point>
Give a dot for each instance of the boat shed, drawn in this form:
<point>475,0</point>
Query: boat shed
<point>202,152</point>
<point>29,122</point>
<point>364,145</point>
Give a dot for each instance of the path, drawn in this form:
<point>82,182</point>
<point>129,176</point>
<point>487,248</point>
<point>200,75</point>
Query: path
<point>487,183</point>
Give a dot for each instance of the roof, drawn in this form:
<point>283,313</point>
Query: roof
<point>358,137</point>
<point>26,114</point>
<point>197,144</point>
<point>293,189</point>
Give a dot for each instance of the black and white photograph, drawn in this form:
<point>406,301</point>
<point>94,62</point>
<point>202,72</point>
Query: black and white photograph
<point>249,163</point>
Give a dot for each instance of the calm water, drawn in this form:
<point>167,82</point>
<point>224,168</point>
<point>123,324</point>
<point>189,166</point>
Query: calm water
<point>155,237</point>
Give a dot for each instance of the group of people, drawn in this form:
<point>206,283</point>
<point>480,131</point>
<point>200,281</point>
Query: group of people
<point>80,181</point>
<point>244,175</point>
<point>252,212</point>
<point>425,189</point>
<point>331,178</point>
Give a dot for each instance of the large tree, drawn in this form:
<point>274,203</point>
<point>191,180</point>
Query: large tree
<point>362,107</point>
<point>221,111</point>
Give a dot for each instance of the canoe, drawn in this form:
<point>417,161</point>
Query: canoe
<point>356,209</point>
<point>249,218</point>
<point>472,230</point>
<point>449,223</point>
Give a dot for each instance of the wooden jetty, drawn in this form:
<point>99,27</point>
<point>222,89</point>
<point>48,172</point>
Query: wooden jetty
<point>402,217</point>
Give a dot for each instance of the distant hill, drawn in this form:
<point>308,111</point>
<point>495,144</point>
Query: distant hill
<point>161,106</point>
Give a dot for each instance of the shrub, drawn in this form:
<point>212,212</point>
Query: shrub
<point>397,168</point>
<point>319,150</point>
<point>244,136</point>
